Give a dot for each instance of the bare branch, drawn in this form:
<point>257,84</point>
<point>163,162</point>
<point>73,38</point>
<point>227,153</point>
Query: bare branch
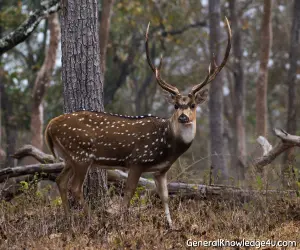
<point>287,141</point>
<point>267,147</point>
<point>26,28</point>
<point>183,29</point>
<point>287,138</point>
<point>29,150</point>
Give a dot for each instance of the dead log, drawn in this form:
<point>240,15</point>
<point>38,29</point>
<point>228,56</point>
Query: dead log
<point>49,166</point>
<point>7,173</point>
<point>269,152</point>
<point>175,188</point>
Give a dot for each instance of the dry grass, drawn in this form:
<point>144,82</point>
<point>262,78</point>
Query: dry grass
<point>29,223</point>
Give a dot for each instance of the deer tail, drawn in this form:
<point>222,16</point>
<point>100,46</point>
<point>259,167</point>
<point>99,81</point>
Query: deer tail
<point>49,140</point>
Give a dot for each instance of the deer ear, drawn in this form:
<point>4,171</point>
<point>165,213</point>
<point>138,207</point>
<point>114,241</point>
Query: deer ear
<point>201,96</point>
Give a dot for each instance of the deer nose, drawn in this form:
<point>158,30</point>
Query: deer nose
<point>183,118</point>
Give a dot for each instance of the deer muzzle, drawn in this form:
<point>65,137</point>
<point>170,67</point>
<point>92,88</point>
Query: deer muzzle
<point>183,118</point>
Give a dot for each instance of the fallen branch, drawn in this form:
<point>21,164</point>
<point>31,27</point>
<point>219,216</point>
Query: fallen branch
<point>48,166</point>
<point>287,141</point>
<point>267,147</point>
<point>113,175</point>
<point>7,173</point>
<point>29,150</point>
<point>48,171</point>
<point>26,28</point>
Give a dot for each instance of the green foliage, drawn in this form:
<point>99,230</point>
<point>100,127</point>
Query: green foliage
<point>137,199</point>
<point>11,16</point>
<point>24,186</point>
<point>259,182</point>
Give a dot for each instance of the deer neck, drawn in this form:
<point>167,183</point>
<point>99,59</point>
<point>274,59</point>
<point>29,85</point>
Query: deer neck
<point>183,133</point>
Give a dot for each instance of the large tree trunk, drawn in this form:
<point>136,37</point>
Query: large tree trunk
<point>104,32</point>
<point>41,83</point>
<point>239,94</point>
<point>262,81</point>
<point>292,90</point>
<point>81,74</point>
<point>216,96</point>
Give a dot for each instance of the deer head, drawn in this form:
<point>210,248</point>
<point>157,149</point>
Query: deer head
<point>183,120</point>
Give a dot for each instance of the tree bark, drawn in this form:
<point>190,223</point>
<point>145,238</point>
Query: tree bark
<point>81,74</point>
<point>216,96</point>
<point>262,81</point>
<point>291,82</point>
<point>41,83</point>
<point>239,94</point>
<point>104,32</point>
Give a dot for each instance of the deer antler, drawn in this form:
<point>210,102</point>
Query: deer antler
<point>166,86</point>
<point>215,69</point>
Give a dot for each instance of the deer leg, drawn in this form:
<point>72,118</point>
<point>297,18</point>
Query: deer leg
<point>77,183</point>
<point>62,183</point>
<point>131,184</point>
<point>162,189</point>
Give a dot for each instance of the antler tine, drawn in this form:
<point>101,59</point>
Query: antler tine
<point>196,88</point>
<point>147,49</point>
<point>216,69</point>
<point>168,87</point>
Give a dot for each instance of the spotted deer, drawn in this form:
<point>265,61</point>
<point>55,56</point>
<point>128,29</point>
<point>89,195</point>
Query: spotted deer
<point>135,143</point>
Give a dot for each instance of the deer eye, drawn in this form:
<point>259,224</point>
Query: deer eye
<point>176,106</point>
<point>193,105</point>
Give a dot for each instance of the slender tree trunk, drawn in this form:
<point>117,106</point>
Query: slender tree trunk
<point>104,32</point>
<point>289,158</point>
<point>262,82</point>
<point>81,73</point>
<point>2,152</point>
<point>10,124</point>
<point>9,120</point>
<point>126,68</point>
<point>239,94</point>
<point>292,72</point>
<point>41,83</point>
<point>216,96</point>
